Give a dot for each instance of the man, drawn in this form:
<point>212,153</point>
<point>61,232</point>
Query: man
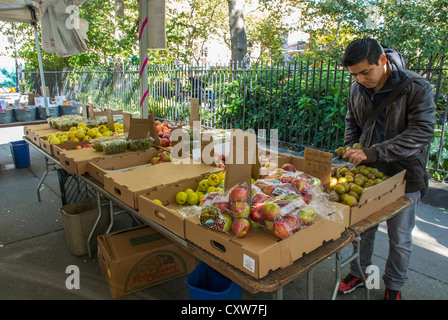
<point>395,141</point>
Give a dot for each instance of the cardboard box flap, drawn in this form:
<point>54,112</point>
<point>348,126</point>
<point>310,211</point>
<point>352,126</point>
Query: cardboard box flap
<point>243,156</point>
<point>318,164</point>
<point>381,189</point>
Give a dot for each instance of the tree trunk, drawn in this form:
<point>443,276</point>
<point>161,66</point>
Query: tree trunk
<point>238,38</point>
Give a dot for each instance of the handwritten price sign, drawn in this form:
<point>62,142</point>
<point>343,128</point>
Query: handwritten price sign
<point>318,164</point>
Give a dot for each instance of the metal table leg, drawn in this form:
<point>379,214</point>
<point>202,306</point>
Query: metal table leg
<point>98,197</point>
<point>342,263</point>
<point>310,284</point>
<point>41,182</point>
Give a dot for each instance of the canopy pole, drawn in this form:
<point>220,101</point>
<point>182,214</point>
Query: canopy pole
<point>143,57</point>
<point>39,57</point>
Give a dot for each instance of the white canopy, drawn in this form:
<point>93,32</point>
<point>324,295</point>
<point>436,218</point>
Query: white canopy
<point>18,10</point>
<point>31,12</point>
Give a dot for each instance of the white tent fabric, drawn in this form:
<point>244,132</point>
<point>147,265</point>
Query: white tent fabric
<point>18,10</point>
<point>63,32</point>
<point>31,12</point>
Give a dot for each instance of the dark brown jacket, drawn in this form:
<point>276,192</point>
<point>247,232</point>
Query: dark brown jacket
<point>408,125</point>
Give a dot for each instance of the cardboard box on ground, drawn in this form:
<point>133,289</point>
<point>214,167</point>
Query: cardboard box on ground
<point>138,258</point>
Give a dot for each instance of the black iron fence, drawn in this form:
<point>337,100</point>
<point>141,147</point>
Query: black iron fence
<point>305,101</point>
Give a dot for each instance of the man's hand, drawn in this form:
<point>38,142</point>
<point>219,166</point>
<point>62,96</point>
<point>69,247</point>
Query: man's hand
<point>355,156</point>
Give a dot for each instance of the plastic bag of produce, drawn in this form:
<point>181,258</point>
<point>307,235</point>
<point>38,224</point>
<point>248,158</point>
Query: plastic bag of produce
<point>140,144</point>
<point>114,146</point>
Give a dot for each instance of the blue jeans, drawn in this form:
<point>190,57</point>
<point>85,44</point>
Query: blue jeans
<point>399,230</point>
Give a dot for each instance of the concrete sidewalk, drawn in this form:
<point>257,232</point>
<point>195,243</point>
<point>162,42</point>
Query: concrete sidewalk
<point>34,253</point>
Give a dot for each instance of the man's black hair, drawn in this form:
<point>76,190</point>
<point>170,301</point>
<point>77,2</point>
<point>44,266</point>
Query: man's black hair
<point>361,49</point>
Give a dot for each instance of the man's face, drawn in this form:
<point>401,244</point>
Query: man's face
<point>369,75</point>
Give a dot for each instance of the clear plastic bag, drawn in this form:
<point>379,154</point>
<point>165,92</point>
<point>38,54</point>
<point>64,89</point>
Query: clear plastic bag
<point>114,146</point>
<point>140,144</point>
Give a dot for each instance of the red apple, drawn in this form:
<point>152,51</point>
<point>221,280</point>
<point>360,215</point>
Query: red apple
<point>222,205</point>
<point>281,229</point>
<point>289,167</point>
<point>306,196</point>
<point>271,211</point>
<point>164,142</point>
<point>240,227</point>
<point>239,209</point>
<point>259,198</point>
<point>286,178</point>
<point>269,189</point>
<point>294,221</point>
<point>256,213</point>
<point>238,193</point>
<point>300,184</point>
<point>166,135</point>
<point>164,156</point>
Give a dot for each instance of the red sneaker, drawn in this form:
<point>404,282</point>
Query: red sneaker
<point>392,294</point>
<point>349,284</point>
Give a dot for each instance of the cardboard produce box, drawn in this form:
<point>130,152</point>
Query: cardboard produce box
<point>376,197</point>
<point>76,161</point>
<point>260,251</point>
<point>58,149</point>
<point>35,132</point>
<point>138,258</point>
<point>128,185</point>
<point>97,168</point>
<point>170,214</point>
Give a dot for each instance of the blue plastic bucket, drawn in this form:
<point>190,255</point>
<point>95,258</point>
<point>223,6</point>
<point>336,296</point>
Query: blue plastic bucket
<point>20,151</point>
<point>205,283</point>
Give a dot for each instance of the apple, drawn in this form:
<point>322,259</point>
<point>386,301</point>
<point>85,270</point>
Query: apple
<point>289,167</point>
<point>253,224</point>
<point>164,142</point>
<point>300,184</point>
<point>286,178</point>
<point>294,221</point>
<point>228,222</point>
<point>259,198</point>
<point>282,229</point>
<point>239,209</point>
<point>164,156</point>
<point>306,196</point>
<point>256,213</point>
<point>240,227</point>
<point>223,206</point>
<point>307,214</point>
<point>264,172</point>
<point>271,211</point>
<point>238,193</point>
<point>155,160</point>
<point>269,189</point>
<point>269,224</point>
